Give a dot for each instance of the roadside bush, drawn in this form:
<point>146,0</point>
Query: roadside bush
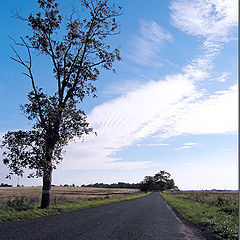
<point>19,204</point>
<point>223,228</point>
<point>229,205</point>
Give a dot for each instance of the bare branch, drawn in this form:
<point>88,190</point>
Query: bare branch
<point>16,14</point>
<point>73,11</point>
<point>16,43</point>
<point>26,75</point>
<point>29,54</point>
<point>96,64</point>
<point>14,59</point>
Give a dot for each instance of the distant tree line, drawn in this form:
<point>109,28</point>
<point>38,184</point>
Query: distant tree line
<point>160,181</point>
<point>114,185</point>
<point>5,185</point>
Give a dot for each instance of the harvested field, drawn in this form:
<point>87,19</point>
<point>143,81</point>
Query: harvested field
<point>63,193</point>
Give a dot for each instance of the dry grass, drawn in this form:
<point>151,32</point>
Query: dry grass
<point>63,193</point>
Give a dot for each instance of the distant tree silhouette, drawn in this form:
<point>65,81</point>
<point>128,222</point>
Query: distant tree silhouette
<point>160,181</point>
<point>114,185</point>
<point>148,184</point>
<point>5,185</point>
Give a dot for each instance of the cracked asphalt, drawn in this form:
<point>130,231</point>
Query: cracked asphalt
<point>147,217</point>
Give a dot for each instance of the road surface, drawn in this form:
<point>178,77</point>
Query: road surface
<point>148,217</point>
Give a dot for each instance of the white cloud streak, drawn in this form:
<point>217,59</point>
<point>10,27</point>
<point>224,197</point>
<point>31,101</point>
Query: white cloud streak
<point>184,147</point>
<point>190,144</point>
<point>187,146</point>
<point>153,144</point>
<point>215,115</point>
<point>213,21</point>
<point>147,45</point>
<point>223,77</point>
<point>152,110</point>
<point>210,19</point>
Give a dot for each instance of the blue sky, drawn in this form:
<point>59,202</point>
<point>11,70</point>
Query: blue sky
<point>172,104</point>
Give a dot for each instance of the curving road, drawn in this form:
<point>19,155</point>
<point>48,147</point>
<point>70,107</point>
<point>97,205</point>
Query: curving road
<point>148,217</point>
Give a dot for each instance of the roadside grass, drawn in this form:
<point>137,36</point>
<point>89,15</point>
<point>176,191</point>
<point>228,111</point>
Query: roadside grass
<point>216,213</point>
<point>21,208</point>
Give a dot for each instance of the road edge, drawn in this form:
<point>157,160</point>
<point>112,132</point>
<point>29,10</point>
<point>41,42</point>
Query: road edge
<point>191,229</point>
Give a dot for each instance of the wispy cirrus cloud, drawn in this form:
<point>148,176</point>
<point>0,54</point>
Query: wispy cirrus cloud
<point>167,107</point>
<point>224,76</point>
<point>146,46</point>
<point>212,20</point>
<point>187,146</point>
<point>153,144</point>
<point>190,144</point>
<point>216,114</point>
<point>147,111</point>
<point>183,147</point>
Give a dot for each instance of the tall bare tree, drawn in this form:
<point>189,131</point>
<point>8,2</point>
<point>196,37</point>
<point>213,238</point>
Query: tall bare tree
<point>77,49</point>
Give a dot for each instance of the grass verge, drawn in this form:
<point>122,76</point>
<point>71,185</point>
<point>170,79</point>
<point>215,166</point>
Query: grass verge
<point>205,215</point>
<point>21,208</point>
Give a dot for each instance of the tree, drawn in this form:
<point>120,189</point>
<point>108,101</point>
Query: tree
<point>77,49</point>
<point>160,181</point>
<point>163,180</point>
<point>148,184</point>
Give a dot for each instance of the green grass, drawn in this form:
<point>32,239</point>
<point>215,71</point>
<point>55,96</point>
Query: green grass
<point>21,208</point>
<point>206,214</point>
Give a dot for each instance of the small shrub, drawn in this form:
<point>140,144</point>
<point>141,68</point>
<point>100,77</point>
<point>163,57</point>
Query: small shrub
<point>224,229</point>
<point>229,205</point>
<point>221,201</point>
<point>19,204</point>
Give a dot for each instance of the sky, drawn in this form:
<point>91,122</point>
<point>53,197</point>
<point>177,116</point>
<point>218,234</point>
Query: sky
<point>172,105</point>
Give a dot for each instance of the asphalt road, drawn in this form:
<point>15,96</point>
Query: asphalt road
<point>143,218</point>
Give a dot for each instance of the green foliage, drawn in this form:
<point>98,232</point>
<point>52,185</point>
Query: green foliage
<point>77,50</point>
<point>223,227</point>
<point>148,184</point>
<point>20,204</point>
<point>160,181</point>
<point>227,205</point>
<point>219,215</point>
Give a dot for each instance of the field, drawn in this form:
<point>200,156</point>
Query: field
<point>215,211</point>
<point>62,193</point>
<point>23,202</point>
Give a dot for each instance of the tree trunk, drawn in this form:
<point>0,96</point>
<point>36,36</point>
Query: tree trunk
<point>51,140</point>
<point>46,188</point>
